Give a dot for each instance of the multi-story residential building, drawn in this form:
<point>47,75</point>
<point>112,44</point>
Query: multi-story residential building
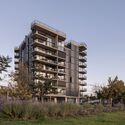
<point>46,54</point>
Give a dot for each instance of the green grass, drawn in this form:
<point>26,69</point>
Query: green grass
<point>115,118</point>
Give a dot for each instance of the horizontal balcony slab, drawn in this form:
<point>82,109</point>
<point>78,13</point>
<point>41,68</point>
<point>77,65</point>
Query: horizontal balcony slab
<point>83,90</point>
<point>43,45</point>
<point>48,29</point>
<point>45,70</point>
<point>46,62</point>
<point>51,56</point>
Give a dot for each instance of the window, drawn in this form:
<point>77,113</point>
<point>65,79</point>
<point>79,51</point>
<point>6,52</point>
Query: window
<point>70,79</point>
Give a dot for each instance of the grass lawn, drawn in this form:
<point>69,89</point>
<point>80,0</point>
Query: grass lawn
<point>116,118</point>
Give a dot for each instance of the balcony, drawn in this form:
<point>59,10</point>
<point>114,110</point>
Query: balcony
<point>83,90</point>
<point>61,48</point>
<point>83,53</point>
<point>48,70</point>
<point>61,71</point>
<point>61,64</point>
<point>45,44</point>
<point>45,61</point>
<point>16,67</point>
<point>61,78</point>
<point>82,71</point>
<point>82,58</point>
<point>41,26</point>
<point>82,77</point>
<point>61,84</point>
<point>16,49</point>
<point>49,77</point>
<point>82,65</point>
<point>61,91</point>
<point>82,83</point>
<point>16,55</point>
<point>82,46</point>
<point>16,61</point>
<point>45,53</point>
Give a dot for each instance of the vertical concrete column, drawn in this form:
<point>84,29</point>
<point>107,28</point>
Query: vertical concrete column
<point>55,100</point>
<point>77,100</point>
<point>65,99</point>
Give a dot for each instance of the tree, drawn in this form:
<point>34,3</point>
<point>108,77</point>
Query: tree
<point>114,91</point>
<point>4,64</point>
<point>44,88</point>
<point>19,86</point>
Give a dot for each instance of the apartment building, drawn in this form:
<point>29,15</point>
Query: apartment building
<point>46,54</point>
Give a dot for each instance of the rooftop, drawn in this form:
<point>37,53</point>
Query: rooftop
<point>45,26</point>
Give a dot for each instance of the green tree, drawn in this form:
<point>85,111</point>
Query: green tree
<point>19,86</point>
<point>114,91</point>
<point>44,88</point>
<point>4,64</point>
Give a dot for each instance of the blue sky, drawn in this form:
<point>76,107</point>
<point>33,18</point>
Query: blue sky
<point>99,23</point>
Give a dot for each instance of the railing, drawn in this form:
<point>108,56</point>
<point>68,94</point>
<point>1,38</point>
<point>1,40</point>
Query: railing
<point>46,77</point>
<point>36,22</point>
<point>59,78</point>
<point>46,68</point>
<point>46,43</point>
<point>83,83</point>
<point>82,64</point>
<point>61,48</point>
<point>61,70</point>
<point>16,55</point>
<point>82,76</point>
<point>16,66</point>
<point>83,52</point>
<point>82,70</point>
<point>16,60</point>
<point>61,63</point>
<point>82,57</point>
<point>46,60</point>
<point>16,49</point>
<point>44,51</point>
<point>83,44</point>
<point>83,90</point>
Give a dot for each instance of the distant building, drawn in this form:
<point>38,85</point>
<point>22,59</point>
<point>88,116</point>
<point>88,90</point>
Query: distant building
<point>45,52</point>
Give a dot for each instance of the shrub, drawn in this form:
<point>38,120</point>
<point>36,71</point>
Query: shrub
<point>37,110</point>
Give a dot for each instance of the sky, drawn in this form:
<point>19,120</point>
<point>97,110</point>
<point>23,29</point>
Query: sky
<point>98,23</point>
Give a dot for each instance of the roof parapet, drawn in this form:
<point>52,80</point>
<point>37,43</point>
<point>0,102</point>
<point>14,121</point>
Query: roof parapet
<point>76,43</point>
<point>43,25</point>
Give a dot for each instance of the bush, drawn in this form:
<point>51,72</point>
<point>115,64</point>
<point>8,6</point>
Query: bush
<point>37,110</point>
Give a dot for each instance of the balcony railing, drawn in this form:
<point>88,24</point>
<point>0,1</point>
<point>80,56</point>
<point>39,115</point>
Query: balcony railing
<point>82,58</point>
<point>61,48</point>
<point>61,63</point>
<point>83,52</point>
<point>82,83</point>
<point>61,70</point>
<point>83,44</point>
<point>82,70</point>
<point>16,49</point>
<point>82,64</point>
<point>46,43</point>
<point>46,77</point>
<point>83,90</point>
<point>61,78</point>
<point>44,51</point>
<point>46,69</point>
<point>82,77</point>
<point>48,27</point>
<point>45,60</point>
<point>16,66</point>
<point>16,61</point>
<point>16,55</point>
